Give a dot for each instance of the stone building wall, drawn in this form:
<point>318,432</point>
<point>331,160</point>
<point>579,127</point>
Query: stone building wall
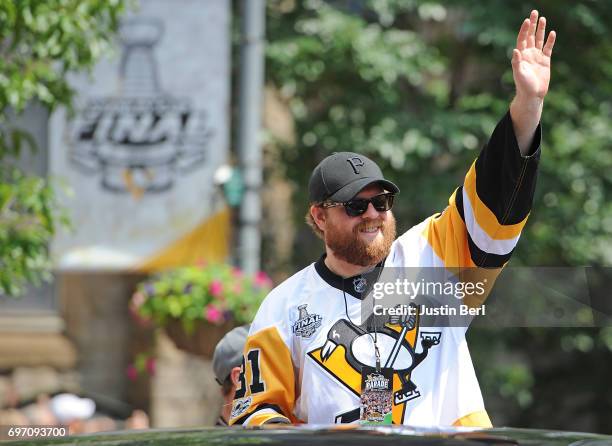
<point>183,391</point>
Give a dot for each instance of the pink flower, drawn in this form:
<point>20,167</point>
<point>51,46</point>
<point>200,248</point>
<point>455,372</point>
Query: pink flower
<point>131,372</point>
<point>216,288</point>
<point>138,299</point>
<point>237,288</point>
<point>150,365</point>
<point>262,280</point>
<point>137,317</point>
<point>236,272</point>
<point>213,314</point>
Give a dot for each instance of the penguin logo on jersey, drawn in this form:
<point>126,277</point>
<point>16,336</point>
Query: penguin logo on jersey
<point>240,406</point>
<point>307,323</point>
<point>350,347</point>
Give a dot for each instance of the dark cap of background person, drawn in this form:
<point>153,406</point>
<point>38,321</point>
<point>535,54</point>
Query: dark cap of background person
<point>342,175</point>
<point>228,352</point>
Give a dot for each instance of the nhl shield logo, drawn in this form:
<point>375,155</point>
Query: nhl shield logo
<point>307,323</point>
<point>359,284</point>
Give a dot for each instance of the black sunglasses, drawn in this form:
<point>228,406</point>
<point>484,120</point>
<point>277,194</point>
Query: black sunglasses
<point>358,206</point>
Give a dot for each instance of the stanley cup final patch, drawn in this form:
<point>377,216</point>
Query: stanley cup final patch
<point>307,323</point>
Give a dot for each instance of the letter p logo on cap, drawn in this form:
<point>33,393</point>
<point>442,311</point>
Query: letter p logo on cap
<point>355,163</point>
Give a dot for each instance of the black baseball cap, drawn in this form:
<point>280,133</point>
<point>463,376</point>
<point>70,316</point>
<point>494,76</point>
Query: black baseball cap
<point>341,176</point>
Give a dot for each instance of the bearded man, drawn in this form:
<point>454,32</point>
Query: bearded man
<point>310,357</point>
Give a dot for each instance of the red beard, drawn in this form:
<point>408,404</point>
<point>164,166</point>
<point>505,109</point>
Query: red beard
<point>349,247</point>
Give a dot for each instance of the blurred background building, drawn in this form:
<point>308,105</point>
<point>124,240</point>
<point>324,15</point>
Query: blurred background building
<point>136,158</point>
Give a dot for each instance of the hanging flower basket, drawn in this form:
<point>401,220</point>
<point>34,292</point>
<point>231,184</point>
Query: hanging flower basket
<point>197,305</point>
<point>202,340</point>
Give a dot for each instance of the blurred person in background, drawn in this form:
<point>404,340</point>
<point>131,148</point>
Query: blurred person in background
<point>227,361</point>
<point>79,414</point>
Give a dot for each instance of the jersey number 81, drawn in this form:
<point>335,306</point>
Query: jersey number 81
<point>256,385</point>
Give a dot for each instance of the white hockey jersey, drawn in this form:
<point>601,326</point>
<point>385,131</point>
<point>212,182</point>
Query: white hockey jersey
<point>306,346</point>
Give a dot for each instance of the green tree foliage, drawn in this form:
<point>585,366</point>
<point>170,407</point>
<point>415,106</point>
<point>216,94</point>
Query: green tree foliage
<point>40,42</point>
<point>418,85</point>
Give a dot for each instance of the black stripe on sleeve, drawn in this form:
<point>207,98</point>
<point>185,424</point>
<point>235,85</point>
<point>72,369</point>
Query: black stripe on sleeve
<point>274,407</point>
<point>505,180</point>
<point>459,203</point>
<point>480,258</point>
<point>484,259</point>
<point>278,420</point>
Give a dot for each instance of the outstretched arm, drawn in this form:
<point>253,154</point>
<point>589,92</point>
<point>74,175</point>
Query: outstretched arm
<point>531,72</point>
<point>485,216</point>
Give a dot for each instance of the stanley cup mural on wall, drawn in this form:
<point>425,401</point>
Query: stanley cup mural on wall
<point>149,130</point>
<point>140,140</point>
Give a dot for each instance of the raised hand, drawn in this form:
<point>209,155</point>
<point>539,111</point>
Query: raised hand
<point>531,72</point>
<point>531,58</point>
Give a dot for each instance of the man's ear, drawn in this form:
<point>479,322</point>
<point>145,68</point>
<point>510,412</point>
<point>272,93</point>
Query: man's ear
<point>318,215</point>
<point>234,375</point>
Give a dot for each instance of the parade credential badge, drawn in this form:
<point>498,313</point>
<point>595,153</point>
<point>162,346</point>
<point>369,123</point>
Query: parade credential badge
<point>307,323</point>
<point>376,389</point>
<point>348,349</point>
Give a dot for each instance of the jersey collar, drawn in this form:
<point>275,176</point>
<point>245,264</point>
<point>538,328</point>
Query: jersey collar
<point>357,286</point>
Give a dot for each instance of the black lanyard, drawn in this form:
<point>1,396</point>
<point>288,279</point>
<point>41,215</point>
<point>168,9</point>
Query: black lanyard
<point>375,337</point>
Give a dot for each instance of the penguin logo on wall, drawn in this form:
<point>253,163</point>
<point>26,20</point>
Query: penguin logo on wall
<point>349,347</point>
